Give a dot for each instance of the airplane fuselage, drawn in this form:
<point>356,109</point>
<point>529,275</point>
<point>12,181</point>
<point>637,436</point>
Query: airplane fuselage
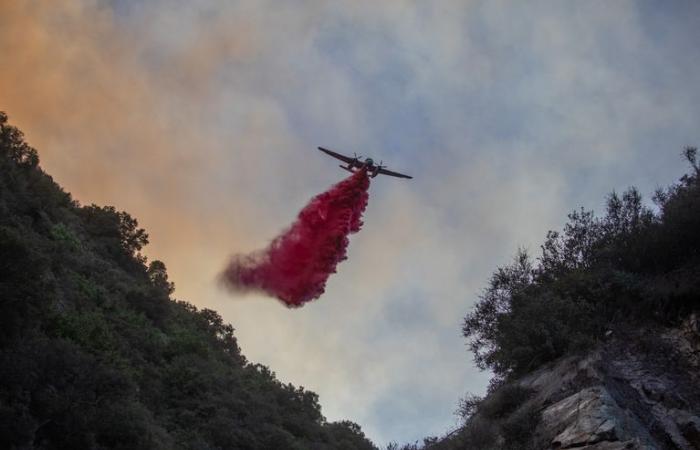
<point>367,164</point>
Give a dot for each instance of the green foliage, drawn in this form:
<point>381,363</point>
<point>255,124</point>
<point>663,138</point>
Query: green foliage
<point>478,434</point>
<point>67,239</point>
<point>517,429</point>
<point>502,402</point>
<point>13,146</point>
<point>116,233</point>
<point>89,329</point>
<point>630,265</point>
<point>504,420</point>
<point>468,406</point>
<point>22,283</point>
<point>95,354</point>
<point>158,275</point>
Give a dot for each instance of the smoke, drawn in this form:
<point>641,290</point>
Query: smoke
<point>296,265</point>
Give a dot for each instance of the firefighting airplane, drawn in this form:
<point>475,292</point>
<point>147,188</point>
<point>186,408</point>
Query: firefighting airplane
<point>354,163</point>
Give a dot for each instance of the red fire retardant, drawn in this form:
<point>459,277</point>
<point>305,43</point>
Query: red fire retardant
<point>296,265</point>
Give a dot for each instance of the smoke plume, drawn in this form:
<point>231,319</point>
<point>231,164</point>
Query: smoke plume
<point>296,265</point>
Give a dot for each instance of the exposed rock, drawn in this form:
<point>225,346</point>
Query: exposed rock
<point>654,389</point>
<point>634,392</point>
<point>588,417</point>
<point>686,339</point>
<point>691,431</point>
<point>555,382</point>
<point>632,444</point>
<point>689,426</point>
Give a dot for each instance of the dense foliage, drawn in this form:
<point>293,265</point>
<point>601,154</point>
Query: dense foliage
<point>95,354</point>
<point>634,267</point>
<point>504,420</point>
<point>631,266</point>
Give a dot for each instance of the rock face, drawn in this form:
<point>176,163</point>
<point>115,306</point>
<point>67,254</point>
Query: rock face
<point>635,392</point>
<point>590,416</point>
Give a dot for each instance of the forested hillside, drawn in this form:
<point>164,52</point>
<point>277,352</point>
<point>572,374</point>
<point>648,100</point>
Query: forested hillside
<point>94,352</point>
<point>634,266</point>
<point>604,318</point>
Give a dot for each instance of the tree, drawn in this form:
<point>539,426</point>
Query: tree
<point>159,277</point>
<point>630,264</point>
<point>94,353</point>
<point>13,145</point>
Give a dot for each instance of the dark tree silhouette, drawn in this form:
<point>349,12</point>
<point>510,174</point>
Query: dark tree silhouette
<point>94,353</point>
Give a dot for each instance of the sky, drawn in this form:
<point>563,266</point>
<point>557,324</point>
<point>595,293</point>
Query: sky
<point>201,118</point>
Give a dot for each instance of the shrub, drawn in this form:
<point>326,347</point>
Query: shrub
<point>629,265</point>
<point>518,429</point>
<point>502,402</point>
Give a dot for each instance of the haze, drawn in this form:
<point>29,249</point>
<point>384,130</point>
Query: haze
<point>201,119</point>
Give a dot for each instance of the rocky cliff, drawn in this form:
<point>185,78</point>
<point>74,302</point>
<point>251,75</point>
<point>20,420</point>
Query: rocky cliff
<point>594,343</point>
<point>639,390</point>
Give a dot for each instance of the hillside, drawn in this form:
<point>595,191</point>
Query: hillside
<point>637,390</point>
<point>96,354</point>
<point>595,344</point>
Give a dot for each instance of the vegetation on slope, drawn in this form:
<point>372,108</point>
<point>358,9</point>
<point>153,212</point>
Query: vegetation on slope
<point>95,354</point>
<point>635,267</point>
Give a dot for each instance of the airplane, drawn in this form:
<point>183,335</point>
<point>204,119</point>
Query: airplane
<point>354,163</point>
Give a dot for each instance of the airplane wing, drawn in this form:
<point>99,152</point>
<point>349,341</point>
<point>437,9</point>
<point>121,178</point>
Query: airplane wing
<point>343,158</point>
<point>394,174</point>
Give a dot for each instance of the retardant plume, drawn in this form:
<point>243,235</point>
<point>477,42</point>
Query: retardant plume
<point>296,265</point>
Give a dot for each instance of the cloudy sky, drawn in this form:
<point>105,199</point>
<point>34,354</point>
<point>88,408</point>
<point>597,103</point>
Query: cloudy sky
<point>201,118</point>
